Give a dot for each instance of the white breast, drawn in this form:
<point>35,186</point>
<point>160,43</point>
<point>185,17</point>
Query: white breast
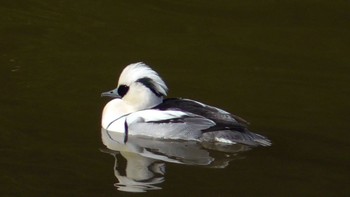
<point>113,110</point>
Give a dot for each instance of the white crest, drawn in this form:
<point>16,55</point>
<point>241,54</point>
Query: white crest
<point>140,70</point>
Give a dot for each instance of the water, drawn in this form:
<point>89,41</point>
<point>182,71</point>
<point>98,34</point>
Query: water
<point>283,66</point>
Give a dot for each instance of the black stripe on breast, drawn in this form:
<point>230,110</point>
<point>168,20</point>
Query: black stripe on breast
<point>126,134</point>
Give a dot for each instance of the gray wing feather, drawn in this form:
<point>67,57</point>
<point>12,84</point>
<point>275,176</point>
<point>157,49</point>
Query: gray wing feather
<point>187,127</point>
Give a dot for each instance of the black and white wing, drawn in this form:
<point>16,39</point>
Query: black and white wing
<point>222,119</point>
<point>228,128</point>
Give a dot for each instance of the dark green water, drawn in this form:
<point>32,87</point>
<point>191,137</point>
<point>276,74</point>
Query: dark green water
<point>283,66</point>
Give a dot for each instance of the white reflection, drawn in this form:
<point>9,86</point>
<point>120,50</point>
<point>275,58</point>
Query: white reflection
<point>140,162</point>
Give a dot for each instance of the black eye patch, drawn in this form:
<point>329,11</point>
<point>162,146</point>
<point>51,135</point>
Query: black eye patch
<point>122,90</point>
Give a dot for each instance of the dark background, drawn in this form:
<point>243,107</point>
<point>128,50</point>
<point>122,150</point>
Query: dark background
<point>282,65</point>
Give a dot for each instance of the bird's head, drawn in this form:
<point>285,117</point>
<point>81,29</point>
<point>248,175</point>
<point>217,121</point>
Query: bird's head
<point>139,86</point>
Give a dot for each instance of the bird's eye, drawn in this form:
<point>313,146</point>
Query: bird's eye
<point>122,90</point>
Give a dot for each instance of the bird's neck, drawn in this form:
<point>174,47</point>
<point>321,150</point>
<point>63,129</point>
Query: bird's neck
<point>141,98</point>
<point>143,103</point>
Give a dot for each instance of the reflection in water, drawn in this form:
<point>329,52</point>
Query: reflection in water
<point>140,162</point>
<point>140,173</point>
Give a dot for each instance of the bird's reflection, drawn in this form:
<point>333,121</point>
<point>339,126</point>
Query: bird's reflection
<point>140,162</point>
<point>138,174</point>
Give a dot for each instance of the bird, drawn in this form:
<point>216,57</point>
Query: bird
<point>139,108</point>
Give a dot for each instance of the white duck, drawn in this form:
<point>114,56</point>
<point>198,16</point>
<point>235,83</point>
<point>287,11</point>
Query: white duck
<point>139,108</point>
